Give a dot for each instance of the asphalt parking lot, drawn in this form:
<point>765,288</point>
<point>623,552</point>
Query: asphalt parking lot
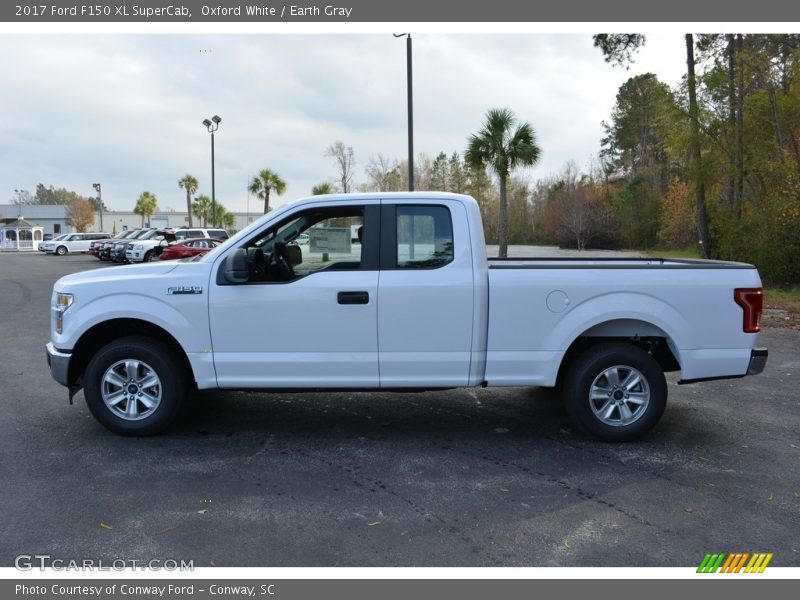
<point>485,477</point>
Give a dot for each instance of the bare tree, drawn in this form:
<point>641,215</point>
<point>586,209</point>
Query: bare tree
<point>344,160</point>
<point>381,171</point>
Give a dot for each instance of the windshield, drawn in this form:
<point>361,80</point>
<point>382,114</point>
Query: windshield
<point>141,234</point>
<point>152,234</point>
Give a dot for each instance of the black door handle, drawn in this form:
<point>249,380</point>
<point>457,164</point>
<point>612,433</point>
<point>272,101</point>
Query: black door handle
<point>353,297</point>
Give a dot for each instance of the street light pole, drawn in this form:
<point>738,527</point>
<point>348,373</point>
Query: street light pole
<point>96,186</point>
<point>212,127</point>
<point>410,111</point>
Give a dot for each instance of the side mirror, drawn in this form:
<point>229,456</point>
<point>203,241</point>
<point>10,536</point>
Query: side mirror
<point>236,268</point>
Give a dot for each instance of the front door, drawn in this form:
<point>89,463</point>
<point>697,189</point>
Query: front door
<point>313,324</point>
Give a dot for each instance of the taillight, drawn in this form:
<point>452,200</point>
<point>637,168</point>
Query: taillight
<point>752,302</point>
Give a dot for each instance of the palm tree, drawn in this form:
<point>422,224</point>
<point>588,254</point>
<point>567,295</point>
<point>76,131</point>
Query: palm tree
<point>322,188</point>
<point>502,147</point>
<point>264,183</point>
<point>201,208</point>
<point>189,183</point>
<point>224,218</point>
<point>145,205</point>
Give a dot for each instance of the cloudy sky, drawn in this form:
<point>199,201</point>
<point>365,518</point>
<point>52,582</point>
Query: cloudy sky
<point>126,110</point>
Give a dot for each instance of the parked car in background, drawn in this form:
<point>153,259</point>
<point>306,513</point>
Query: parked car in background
<point>97,245</point>
<point>121,246</point>
<point>49,245</point>
<point>189,248</point>
<point>200,232</point>
<point>75,242</point>
<point>107,246</point>
<point>303,239</point>
<point>147,248</point>
<point>47,237</point>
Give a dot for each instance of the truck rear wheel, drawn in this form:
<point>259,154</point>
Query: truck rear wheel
<point>615,392</point>
<point>134,386</point>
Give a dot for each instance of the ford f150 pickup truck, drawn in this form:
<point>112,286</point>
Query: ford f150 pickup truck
<point>415,304</point>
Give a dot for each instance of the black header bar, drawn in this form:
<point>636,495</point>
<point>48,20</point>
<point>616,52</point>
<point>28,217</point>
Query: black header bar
<point>438,11</point>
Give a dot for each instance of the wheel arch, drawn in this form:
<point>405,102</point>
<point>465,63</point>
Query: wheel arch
<point>636,332</point>
<point>97,336</point>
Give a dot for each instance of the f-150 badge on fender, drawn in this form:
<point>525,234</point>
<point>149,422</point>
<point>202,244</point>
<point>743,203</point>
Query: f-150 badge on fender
<point>184,290</point>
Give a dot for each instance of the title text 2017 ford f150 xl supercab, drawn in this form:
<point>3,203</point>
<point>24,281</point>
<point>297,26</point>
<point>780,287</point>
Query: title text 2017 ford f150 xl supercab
<point>413,303</point>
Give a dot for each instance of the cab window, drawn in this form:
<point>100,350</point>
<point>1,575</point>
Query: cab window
<point>316,240</point>
<point>424,237</point>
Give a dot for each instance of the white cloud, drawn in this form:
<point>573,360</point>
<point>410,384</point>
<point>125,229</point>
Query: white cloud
<point>126,110</point>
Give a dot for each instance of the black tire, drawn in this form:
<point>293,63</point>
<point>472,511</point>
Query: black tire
<point>146,357</point>
<point>148,256</point>
<point>61,250</point>
<point>627,418</point>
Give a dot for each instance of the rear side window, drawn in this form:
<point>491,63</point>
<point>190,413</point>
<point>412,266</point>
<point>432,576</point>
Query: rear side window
<point>218,233</point>
<point>424,237</point>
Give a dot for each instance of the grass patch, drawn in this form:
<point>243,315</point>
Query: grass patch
<point>787,299</point>
<point>688,253</point>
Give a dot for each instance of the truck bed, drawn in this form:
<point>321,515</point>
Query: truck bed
<point>524,262</point>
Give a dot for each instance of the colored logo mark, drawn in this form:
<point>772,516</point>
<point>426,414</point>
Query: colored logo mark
<point>735,562</point>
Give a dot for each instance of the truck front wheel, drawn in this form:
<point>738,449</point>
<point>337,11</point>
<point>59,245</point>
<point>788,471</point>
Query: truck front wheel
<point>615,392</point>
<point>134,386</point>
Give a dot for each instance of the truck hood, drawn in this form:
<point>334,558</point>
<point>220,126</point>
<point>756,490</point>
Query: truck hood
<point>111,274</point>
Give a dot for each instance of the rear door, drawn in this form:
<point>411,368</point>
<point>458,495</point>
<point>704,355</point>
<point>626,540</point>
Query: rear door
<point>425,295</point>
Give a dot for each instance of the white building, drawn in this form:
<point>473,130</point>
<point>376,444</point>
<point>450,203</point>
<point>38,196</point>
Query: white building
<point>52,218</point>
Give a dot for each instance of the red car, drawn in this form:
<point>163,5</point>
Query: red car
<point>190,247</point>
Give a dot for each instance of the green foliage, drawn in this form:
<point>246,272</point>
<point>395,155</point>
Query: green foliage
<point>224,219</point>
<point>52,195</point>
<point>145,206</point>
<point>201,208</point>
<point>744,155</point>
<point>637,208</point>
<point>502,144</point>
<point>619,48</point>
<point>189,183</point>
<point>322,188</point>
<point>265,182</point>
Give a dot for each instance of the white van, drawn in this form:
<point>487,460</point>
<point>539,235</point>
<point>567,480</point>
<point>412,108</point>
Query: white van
<point>49,245</point>
<point>75,242</point>
<point>200,232</point>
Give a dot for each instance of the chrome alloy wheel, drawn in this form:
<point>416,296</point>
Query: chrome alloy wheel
<point>619,395</point>
<point>131,389</point>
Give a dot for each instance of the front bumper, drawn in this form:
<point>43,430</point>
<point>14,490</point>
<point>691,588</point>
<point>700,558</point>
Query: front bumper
<point>758,360</point>
<point>59,364</point>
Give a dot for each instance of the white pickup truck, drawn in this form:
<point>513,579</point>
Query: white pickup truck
<point>415,306</point>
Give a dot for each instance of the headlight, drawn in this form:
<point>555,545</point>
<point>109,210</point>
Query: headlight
<point>63,302</point>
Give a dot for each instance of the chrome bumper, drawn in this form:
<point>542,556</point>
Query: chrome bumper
<point>59,364</point>
<point>758,360</point>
